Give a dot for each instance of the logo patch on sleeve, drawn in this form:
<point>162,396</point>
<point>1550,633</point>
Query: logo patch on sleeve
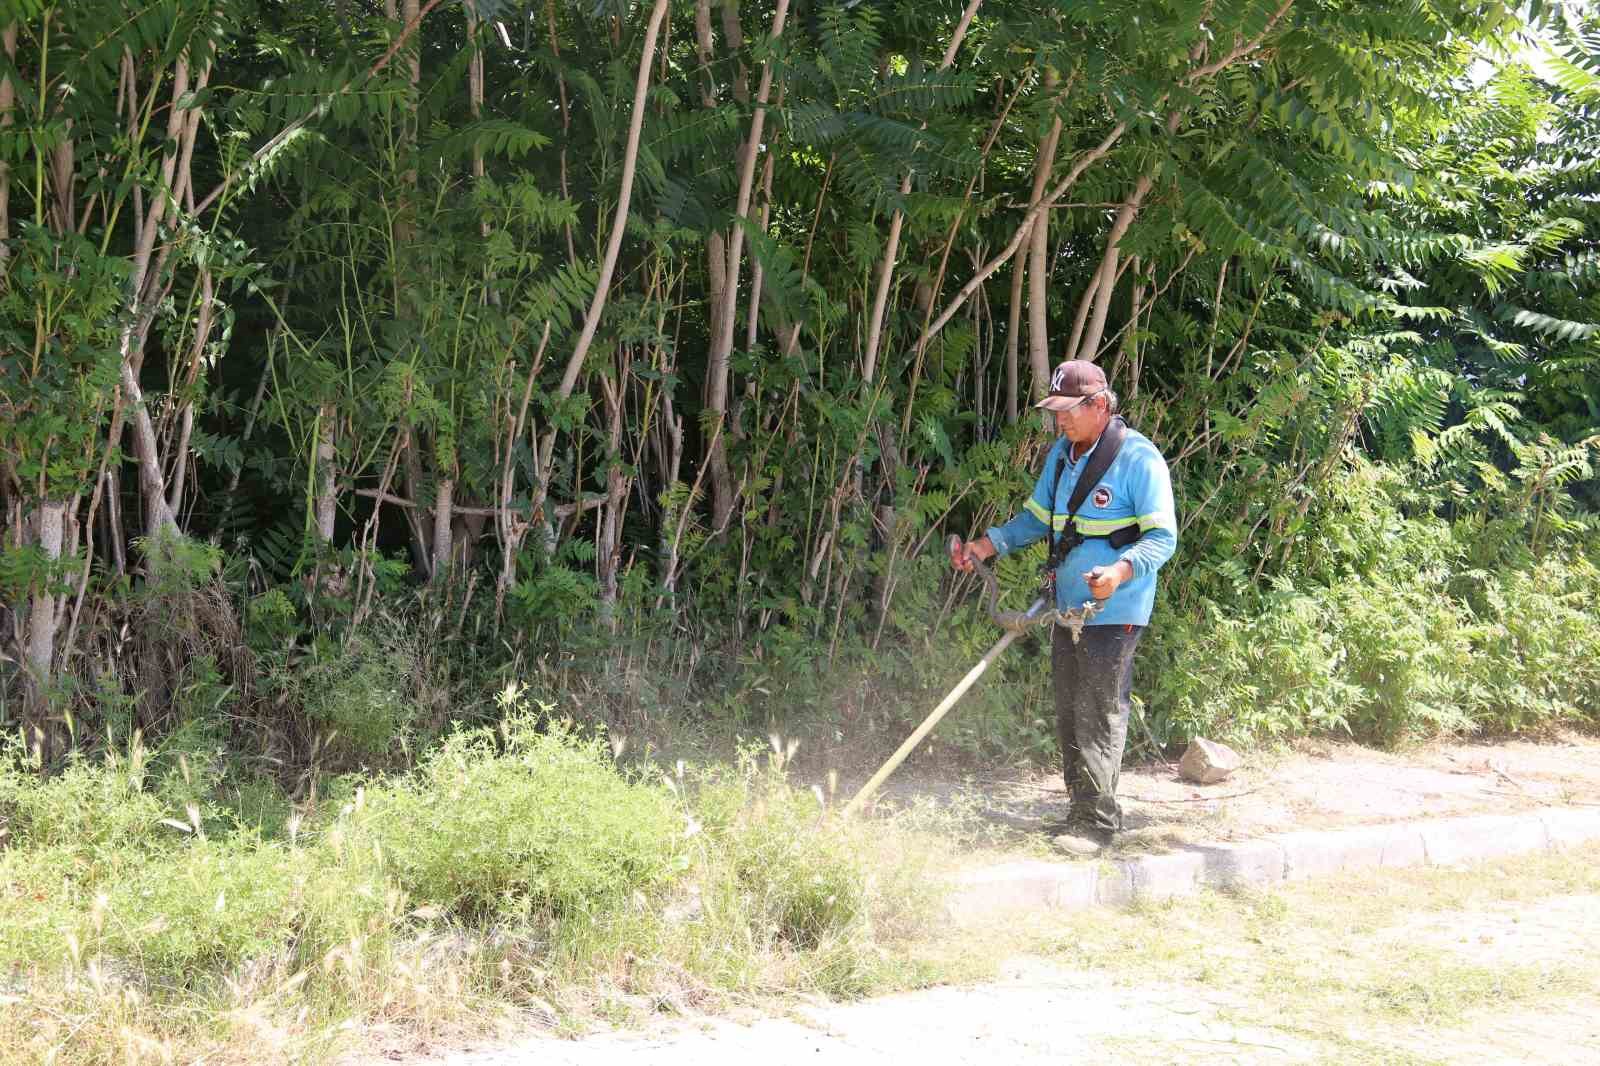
<point>1101,497</point>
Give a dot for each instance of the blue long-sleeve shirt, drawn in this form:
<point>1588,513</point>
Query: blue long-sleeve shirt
<point>1136,489</point>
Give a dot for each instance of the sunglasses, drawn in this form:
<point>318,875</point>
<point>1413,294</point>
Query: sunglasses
<point>1080,403</point>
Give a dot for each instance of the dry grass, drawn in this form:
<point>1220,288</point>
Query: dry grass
<point>179,942</point>
<point>136,947</point>
<point>1413,966</point>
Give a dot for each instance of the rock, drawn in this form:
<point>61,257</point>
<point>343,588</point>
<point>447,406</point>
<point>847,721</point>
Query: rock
<point>1206,762</point>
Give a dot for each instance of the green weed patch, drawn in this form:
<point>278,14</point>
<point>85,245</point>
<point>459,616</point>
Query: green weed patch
<point>515,822</point>
<point>516,868</point>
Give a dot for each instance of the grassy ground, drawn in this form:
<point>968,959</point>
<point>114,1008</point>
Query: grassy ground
<point>1482,965</point>
<point>154,909</point>
<point>517,878</point>
<point>1413,966</point>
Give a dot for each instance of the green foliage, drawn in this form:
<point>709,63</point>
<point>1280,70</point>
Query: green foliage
<point>764,896</point>
<point>36,914</point>
<point>521,822</point>
<point>556,595</point>
<point>359,692</point>
<point>59,300</point>
<point>1535,653</point>
<point>795,880</point>
<point>1364,334</point>
<point>132,857</point>
<point>1269,675</point>
<point>1396,653</point>
<point>212,905</point>
<point>91,809</point>
<point>1364,267</point>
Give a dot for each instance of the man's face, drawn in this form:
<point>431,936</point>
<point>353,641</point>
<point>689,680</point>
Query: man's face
<point>1082,423</point>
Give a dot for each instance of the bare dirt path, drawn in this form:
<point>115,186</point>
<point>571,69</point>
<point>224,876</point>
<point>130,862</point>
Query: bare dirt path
<point>1308,785</point>
<point>1036,1013</point>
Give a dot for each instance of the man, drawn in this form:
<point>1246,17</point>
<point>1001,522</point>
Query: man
<point>1128,529</point>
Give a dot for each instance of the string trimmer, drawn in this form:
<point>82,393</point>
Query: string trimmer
<point>1015,623</point>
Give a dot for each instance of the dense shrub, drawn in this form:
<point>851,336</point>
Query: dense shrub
<point>38,909</point>
<point>516,821</point>
<point>87,807</point>
<point>780,882</point>
<point>1537,653</point>
<point>214,904</point>
<point>801,881</point>
<point>521,829</point>
<point>1385,658</point>
<point>359,690</point>
<point>1275,674</point>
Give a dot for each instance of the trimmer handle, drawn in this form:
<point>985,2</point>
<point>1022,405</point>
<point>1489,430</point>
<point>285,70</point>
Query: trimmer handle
<point>1008,620</point>
<point>1040,613</point>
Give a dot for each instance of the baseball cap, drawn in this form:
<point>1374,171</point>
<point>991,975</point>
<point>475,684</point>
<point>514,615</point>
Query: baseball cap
<point>1072,379</point>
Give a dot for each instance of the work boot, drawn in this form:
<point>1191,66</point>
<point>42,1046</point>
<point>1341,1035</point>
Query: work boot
<point>1082,842</point>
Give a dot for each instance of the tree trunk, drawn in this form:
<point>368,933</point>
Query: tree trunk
<point>48,523</point>
<point>1130,340</point>
<point>591,322</point>
<point>753,311</point>
<point>566,126</point>
<point>466,532</point>
<point>158,517</point>
<point>509,527</point>
<point>1038,248</point>
<point>63,182</point>
<point>1014,342</point>
<point>608,559</point>
<point>115,535</point>
<point>421,540</point>
<point>326,475</point>
<point>891,247</point>
<point>8,97</point>
<point>178,460</point>
<point>1024,227</point>
<point>414,468</point>
<point>1096,301</point>
<point>716,292</point>
<point>1081,317</point>
<point>669,458</point>
<point>717,361</point>
<point>145,288</point>
<point>443,530</point>
<point>714,396</point>
<point>1105,279</point>
<point>733,34</point>
<point>880,295</point>
<point>886,519</point>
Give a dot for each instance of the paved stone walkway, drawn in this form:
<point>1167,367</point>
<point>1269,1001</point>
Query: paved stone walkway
<point>1259,863</point>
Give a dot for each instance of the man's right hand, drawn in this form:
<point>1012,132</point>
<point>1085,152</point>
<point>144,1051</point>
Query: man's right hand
<point>964,553</point>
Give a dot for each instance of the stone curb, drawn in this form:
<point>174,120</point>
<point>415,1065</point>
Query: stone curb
<point>1036,884</point>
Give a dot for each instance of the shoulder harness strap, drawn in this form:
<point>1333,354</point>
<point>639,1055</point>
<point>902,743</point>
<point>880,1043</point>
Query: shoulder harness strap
<point>1105,453</point>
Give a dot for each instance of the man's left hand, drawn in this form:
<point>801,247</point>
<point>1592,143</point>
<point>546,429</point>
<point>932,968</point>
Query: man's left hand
<point>1104,580</point>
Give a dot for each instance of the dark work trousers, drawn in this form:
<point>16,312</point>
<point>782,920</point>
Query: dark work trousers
<point>1093,679</point>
